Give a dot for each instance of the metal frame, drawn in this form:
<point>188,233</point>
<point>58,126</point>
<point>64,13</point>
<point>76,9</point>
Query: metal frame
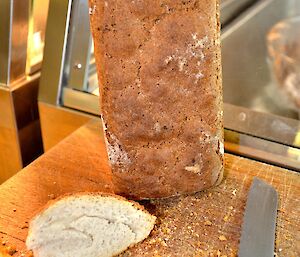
<point>263,125</point>
<point>77,63</point>
<point>13,47</point>
<point>231,8</point>
<point>54,51</point>
<point>5,25</point>
<point>262,150</point>
<point>62,81</point>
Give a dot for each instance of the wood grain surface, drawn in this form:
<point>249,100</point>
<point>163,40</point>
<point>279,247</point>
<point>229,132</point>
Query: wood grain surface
<point>57,123</point>
<point>205,224</point>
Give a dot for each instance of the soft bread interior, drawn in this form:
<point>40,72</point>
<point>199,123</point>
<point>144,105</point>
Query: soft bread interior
<point>88,226</point>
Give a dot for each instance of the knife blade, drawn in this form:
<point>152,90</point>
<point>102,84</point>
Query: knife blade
<point>259,224</point>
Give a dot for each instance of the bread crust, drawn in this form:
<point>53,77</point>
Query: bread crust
<point>159,67</point>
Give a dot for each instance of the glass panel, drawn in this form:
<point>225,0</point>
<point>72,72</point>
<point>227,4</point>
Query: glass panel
<point>260,84</point>
<point>93,85</point>
<point>36,34</point>
<point>80,69</point>
<point>247,75</point>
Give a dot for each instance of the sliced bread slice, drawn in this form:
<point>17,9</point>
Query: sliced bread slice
<point>88,225</point>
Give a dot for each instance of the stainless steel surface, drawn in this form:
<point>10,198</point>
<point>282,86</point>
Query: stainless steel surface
<point>81,101</point>
<point>19,35</point>
<point>232,8</point>
<point>79,46</point>
<point>259,224</point>
<point>54,53</point>
<point>20,135</point>
<point>262,150</point>
<point>267,126</point>
<point>5,25</point>
<point>13,33</point>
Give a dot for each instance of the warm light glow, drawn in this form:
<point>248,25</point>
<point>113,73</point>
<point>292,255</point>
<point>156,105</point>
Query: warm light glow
<point>38,12</point>
<point>36,48</point>
<point>294,152</point>
<point>96,92</point>
<point>37,40</point>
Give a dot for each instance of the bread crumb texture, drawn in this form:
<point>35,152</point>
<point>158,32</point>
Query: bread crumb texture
<point>160,73</point>
<point>88,226</point>
<point>193,225</point>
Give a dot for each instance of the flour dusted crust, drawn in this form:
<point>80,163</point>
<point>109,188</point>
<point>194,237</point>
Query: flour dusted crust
<point>159,67</point>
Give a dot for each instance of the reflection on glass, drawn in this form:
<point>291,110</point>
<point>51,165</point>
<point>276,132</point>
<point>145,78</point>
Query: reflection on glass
<point>284,52</point>
<point>36,34</point>
<point>247,79</point>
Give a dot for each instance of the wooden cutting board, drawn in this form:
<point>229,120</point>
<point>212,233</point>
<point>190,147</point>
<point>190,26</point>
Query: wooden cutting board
<point>205,224</point>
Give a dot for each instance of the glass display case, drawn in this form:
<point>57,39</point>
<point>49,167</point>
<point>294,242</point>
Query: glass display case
<point>77,87</point>
<point>256,125</point>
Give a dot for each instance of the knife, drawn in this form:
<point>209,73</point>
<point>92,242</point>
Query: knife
<point>259,224</point>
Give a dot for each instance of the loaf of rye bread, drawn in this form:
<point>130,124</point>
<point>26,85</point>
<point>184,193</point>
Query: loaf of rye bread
<point>159,67</point>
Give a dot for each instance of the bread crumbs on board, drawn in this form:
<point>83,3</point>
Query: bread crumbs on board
<point>207,223</point>
<point>234,192</point>
<point>226,218</point>
<point>222,238</point>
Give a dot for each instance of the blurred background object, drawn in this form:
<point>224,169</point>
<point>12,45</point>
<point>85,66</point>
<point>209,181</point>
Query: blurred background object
<point>284,51</point>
